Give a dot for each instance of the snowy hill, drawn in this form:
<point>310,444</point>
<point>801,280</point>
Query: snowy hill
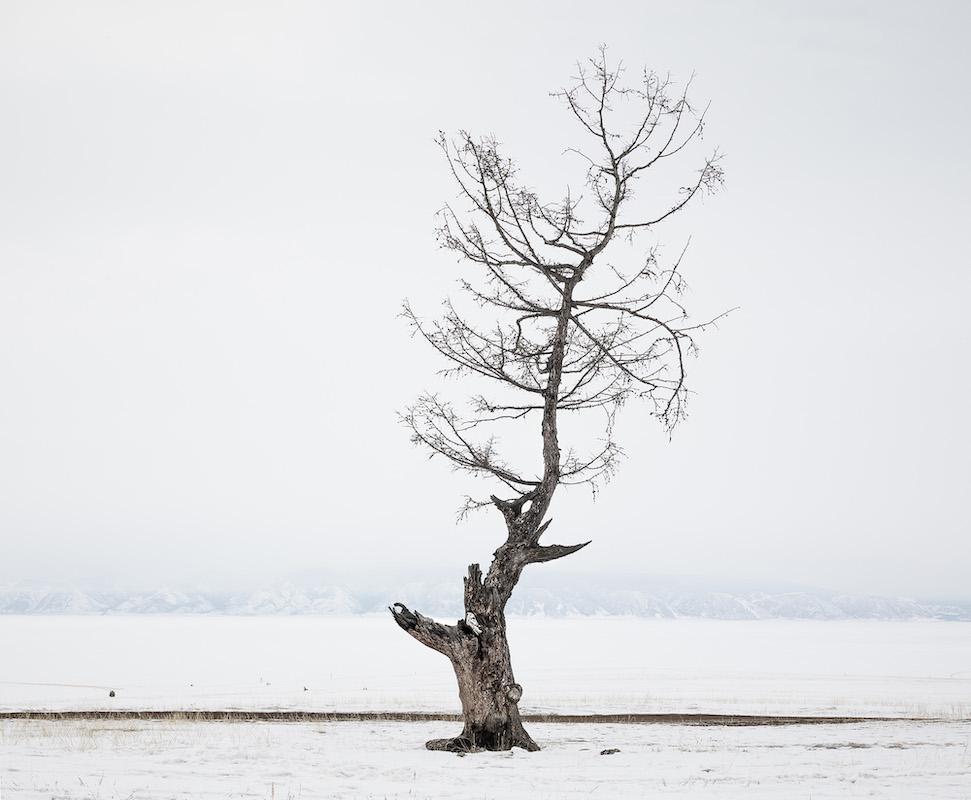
<point>443,600</point>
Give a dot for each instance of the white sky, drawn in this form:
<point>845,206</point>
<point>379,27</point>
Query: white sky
<point>210,212</point>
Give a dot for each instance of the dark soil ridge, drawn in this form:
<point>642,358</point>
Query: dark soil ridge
<point>415,716</point>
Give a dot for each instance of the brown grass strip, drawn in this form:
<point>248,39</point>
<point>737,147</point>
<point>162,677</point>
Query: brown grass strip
<point>417,716</point>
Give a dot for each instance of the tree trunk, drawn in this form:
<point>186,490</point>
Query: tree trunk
<point>489,693</point>
<point>477,645</point>
<point>479,652</point>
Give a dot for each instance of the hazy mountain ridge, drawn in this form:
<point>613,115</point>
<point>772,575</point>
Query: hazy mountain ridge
<point>444,601</point>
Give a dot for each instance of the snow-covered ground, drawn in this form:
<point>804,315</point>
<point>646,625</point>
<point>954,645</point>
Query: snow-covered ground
<point>580,665</point>
<point>357,760</point>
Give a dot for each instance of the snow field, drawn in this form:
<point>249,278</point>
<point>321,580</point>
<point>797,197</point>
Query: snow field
<point>98,760</point>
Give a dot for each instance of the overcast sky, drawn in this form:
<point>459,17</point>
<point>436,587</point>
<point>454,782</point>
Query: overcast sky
<point>210,213</point>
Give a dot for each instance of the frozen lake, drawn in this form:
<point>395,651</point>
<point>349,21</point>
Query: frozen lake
<point>581,665</point>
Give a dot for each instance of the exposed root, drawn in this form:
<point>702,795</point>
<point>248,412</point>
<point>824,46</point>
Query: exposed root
<point>457,744</point>
<point>464,744</point>
<point>526,742</point>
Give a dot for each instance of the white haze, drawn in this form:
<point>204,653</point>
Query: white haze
<point>210,212</point>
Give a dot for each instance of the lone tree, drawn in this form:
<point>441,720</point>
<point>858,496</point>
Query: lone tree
<point>542,348</point>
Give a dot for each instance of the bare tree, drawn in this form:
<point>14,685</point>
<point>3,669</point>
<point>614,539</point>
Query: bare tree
<point>542,348</point>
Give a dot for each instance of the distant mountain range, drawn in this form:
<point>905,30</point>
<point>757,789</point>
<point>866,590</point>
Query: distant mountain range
<point>443,601</point>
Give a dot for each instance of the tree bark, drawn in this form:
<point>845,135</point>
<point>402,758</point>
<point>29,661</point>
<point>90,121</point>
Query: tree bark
<point>479,651</point>
<point>489,694</point>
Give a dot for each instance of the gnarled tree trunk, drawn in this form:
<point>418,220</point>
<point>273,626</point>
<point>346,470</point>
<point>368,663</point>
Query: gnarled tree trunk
<point>479,652</point>
<point>477,645</point>
<point>490,700</point>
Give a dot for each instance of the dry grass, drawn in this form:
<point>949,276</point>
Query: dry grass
<point>417,716</point>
